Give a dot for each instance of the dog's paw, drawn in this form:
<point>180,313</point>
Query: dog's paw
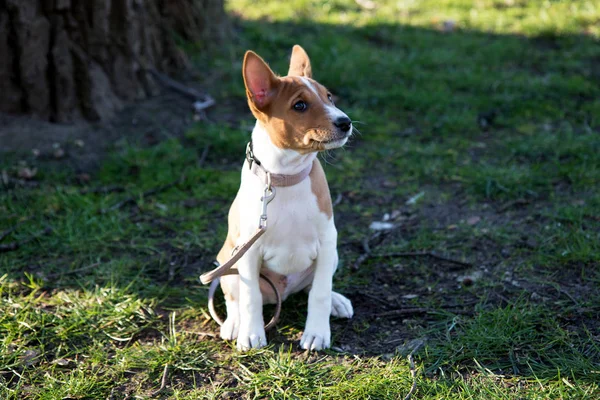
<point>317,339</point>
<point>230,328</point>
<point>341,307</point>
<point>251,339</point>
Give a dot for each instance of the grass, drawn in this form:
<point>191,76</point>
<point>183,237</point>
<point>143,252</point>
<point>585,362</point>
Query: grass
<point>489,110</point>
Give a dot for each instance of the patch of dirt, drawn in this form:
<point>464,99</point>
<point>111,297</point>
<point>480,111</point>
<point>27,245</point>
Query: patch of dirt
<point>403,294</point>
<point>86,144</point>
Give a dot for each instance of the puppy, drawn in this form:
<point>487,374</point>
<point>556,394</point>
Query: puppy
<point>295,119</point>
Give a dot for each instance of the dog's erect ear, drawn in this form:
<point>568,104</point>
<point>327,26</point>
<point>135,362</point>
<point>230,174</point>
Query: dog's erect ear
<point>300,63</point>
<point>260,81</point>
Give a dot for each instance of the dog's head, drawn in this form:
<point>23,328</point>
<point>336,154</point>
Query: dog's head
<point>297,112</point>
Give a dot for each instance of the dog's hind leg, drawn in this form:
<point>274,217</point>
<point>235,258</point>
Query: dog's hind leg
<point>231,326</point>
<point>341,307</point>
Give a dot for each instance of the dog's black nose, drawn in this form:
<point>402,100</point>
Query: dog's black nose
<point>343,123</point>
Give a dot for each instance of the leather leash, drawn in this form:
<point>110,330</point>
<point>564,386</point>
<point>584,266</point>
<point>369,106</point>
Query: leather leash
<point>271,181</point>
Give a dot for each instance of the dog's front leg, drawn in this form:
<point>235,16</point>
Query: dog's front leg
<point>252,330</point>
<point>317,334</point>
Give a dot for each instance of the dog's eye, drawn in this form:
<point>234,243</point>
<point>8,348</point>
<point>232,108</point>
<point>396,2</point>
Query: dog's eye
<point>330,98</point>
<point>300,106</point>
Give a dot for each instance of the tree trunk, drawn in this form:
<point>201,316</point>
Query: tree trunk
<point>63,60</point>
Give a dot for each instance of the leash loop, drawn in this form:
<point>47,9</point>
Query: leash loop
<point>219,320</point>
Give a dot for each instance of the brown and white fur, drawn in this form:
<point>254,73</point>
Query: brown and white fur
<point>298,250</point>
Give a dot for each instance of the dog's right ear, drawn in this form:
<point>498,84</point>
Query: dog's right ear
<point>300,63</point>
<point>260,81</point>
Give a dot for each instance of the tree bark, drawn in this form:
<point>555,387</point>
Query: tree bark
<point>63,60</point>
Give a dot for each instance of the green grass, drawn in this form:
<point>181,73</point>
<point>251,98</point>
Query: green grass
<point>489,109</point>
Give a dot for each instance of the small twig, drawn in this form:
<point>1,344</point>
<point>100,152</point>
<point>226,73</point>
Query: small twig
<point>366,249</point>
<point>202,100</point>
<point>416,311</point>
<point>503,298</point>
<point>148,193</point>
<point>402,312</point>
<point>365,245</point>
<point>361,259</point>
<point>163,381</point>
<point>19,243</point>
<point>413,371</point>
<point>10,183</point>
<point>7,232</point>
<point>563,291</point>
<point>375,298</point>
<point>73,271</point>
<point>514,203</point>
<point>338,200</point>
<point>118,205</point>
<point>423,254</point>
<point>103,189</point>
<point>212,335</point>
<point>200,106</point>
<point>203,156</point>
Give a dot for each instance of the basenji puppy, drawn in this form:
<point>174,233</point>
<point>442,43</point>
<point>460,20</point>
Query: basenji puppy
<point>296,119</point>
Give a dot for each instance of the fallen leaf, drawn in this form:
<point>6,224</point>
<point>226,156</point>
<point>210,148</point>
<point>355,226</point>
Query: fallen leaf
<point>83,177</point>
<point>469,279</point>
<point>411,346</point>
<point>29,357</point>
<point>381,226</point>
<point>389,184</point>
<point>414,199</point>
<point>58,153</point>
<point>191,203</point>
<point>473,220</point>
<point>27,173</point>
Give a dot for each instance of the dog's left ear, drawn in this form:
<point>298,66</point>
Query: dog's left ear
<point>260,81</point>
<point>300,63</point>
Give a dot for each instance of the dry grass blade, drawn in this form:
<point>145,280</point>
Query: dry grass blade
<point>163,381</point>
<point>148,193</point>
<point>423,254</point>
<point>103,189</point>
<point>413,371</point>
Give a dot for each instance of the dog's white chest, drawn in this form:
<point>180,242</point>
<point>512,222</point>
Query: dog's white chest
<point>294,226</point>
<point>292,241</point>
